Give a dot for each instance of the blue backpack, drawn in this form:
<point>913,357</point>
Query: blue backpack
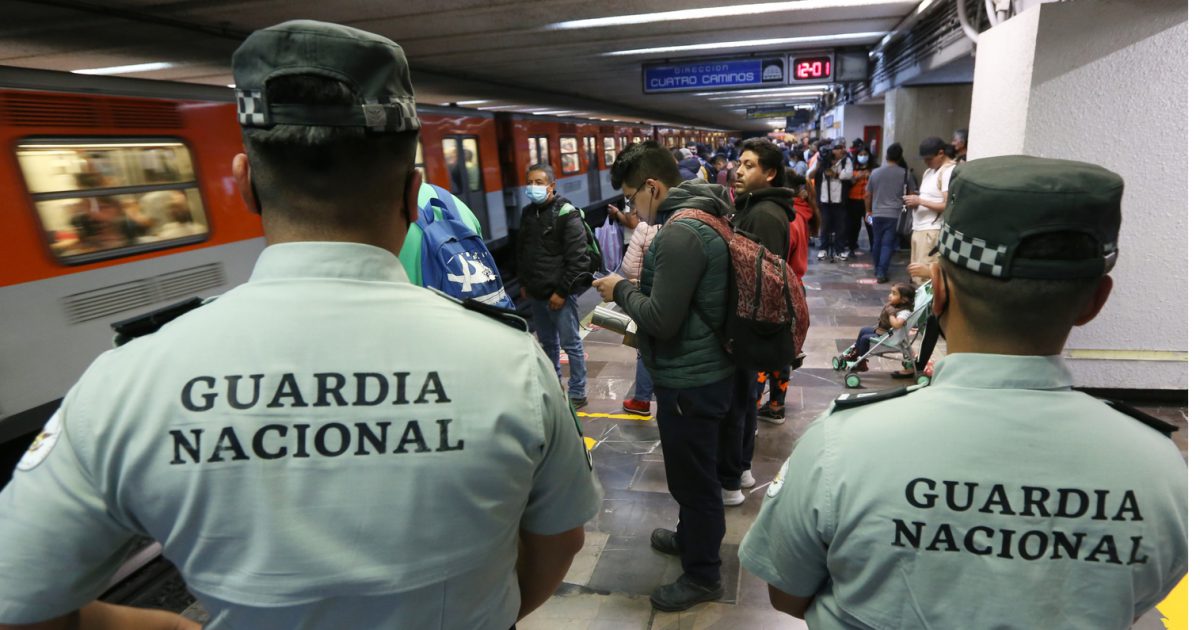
<point>454,259</point>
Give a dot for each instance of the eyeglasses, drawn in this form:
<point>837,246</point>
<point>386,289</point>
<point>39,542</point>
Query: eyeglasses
<point>629,199</point>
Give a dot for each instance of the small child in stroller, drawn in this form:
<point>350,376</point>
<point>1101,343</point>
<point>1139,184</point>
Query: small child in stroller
<point>897,311</point>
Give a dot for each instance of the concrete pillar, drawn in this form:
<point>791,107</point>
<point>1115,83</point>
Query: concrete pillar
<point>911,114</point>
<point>1105,81</point>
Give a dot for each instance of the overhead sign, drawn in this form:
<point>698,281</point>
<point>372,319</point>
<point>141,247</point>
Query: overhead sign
<point>770,111</point>
<point>698,76</point>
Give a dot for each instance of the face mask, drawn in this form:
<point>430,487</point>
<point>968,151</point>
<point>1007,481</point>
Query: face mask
<point>536,194</point>
<point>862,159</point>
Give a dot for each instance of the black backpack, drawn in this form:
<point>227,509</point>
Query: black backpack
<point>595,258</point>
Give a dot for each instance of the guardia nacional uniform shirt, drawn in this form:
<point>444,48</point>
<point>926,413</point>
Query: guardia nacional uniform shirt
<point>325,446</point>
<point>993,498</point>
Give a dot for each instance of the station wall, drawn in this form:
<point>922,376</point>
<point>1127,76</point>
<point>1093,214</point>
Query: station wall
<point>1106,82</point>
<point>911,114</point>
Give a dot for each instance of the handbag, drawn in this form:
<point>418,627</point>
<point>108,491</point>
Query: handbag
<point>904,224</point>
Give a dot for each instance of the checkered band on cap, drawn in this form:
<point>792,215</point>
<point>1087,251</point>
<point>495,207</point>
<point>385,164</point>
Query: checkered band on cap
<point>390,114</point>
<point>252,111</point>
<point>973,253</point>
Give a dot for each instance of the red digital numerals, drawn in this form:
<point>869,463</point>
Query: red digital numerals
<point>817,68</point>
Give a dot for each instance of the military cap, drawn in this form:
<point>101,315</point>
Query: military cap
<point>996,203</point>
<point>372,65</point>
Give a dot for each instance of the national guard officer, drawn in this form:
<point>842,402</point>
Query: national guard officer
<point>995,496</point>
<point>312,449</point>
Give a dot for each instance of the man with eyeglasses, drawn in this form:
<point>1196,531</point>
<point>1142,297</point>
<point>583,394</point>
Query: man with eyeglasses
<point>680,301</point>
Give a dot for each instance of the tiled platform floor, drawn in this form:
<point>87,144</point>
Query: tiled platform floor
<point>609,584</point>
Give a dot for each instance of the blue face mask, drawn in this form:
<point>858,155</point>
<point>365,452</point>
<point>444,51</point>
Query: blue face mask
<point>862,159</point>
<point>537,194</point>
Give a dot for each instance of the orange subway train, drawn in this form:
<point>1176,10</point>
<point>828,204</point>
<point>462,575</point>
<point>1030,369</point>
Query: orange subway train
<point>118,201</point>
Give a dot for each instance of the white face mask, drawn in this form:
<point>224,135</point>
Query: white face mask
<point>862,159</point>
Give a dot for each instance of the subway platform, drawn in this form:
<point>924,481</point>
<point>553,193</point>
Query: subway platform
<point>609,584</point>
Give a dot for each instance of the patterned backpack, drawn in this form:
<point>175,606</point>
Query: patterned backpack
<point>767,318</point>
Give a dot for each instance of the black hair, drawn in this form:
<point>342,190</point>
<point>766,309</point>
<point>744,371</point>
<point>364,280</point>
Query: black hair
<point>641,161</point>
<point>895,153</point>
<point>908,295</point>
<point>770,156</point>
<point>319,175</point>
<point>930,146</point>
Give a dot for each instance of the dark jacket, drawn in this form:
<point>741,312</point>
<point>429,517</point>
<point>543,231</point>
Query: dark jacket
<point>552,254</point>
<point>684,284</point>
<point>689,168</point>
<point>766,213</point>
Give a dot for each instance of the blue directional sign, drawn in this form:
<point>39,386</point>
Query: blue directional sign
<point>698,76</point>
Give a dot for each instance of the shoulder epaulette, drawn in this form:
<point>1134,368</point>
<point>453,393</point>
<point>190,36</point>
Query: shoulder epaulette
<point>509,318</point>
<point>149,323</point>
<point>850,401</point>
<point>1157,424</point>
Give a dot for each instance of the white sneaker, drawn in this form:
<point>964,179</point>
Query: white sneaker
<point>821,255</point>
<point>747,479</point>
<point>732,497</point>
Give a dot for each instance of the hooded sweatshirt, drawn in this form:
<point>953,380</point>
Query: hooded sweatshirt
<point>682,295</point>
<point>766,213</point>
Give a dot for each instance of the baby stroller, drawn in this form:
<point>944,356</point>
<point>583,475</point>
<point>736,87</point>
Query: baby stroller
<point>899,341</point>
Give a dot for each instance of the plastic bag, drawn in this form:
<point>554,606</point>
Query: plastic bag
<point>610,237</point>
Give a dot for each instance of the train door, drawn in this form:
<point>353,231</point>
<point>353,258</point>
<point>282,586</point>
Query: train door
<point>593,164</point>
<point>466,177</point>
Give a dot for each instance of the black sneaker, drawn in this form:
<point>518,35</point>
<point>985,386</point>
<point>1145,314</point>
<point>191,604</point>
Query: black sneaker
<point>579,403</point>
<point>666,541</point>
<point>881,279</point>
<point>774,415</point>
<point>684,593</point>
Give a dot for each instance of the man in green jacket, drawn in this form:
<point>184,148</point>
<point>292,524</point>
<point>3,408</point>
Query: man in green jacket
<point>680,300</point>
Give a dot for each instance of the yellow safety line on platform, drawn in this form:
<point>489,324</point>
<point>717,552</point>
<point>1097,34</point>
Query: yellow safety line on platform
<point>1127,355</point>
<point>614,416</point>
<point>1173,610</point>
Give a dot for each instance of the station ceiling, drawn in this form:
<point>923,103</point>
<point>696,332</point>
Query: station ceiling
<point>548,57</point>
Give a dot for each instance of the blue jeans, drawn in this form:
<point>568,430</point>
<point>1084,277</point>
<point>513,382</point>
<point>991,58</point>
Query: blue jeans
<point>562,326</point>
<point>833,227</point>
<point>643,384</point>
<point>863,343</point>
<point>885,244</point>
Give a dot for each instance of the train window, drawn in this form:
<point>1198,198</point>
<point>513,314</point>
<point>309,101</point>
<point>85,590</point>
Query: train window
<point>420,165</point>
<point>610,150</point>
<point>103,199</point>
<point>467,176</point>
<point>539,150</point>
<point>568,148</point>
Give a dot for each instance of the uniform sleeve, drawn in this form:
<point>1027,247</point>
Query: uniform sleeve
<point>61,543</point>
<point>565,492</point>
<point>787,544</point>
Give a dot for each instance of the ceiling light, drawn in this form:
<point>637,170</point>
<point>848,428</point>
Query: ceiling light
<point>137,67</point>
<point>774,90</point>
<point>713,12</point>
<point>231,85</point>
<point>778,97</point>
<point>924,5</point>
<point>491,107</point>
<point>748,43</point>
<point>476,102</point>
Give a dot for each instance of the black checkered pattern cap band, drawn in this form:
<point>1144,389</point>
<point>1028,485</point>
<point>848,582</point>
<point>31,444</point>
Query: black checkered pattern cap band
<point>388,115</point>
<point>973,253</point>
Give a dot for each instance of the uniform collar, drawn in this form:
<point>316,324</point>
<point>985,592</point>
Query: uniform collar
<point>354,261</point>
<point>1002,371</point>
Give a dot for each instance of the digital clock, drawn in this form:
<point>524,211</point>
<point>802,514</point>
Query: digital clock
<point>812,68</point>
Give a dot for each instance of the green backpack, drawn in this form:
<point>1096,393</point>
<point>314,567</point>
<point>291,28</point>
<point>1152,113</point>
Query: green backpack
<point>595,258</point>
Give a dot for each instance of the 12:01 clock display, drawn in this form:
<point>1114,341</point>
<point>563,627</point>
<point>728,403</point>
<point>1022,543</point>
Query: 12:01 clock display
<point>812,68</point>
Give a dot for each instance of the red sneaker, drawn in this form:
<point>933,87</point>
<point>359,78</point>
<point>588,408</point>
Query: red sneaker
<point>637,407</point>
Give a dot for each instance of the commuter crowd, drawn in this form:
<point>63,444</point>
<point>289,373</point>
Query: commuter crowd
<point>331,445</point>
